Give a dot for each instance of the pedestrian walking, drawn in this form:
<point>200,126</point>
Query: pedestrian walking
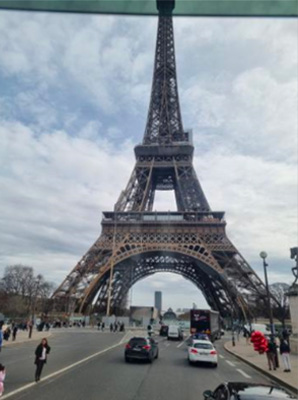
<point>271,354</point>
<point>111,327</point>
<point>102,326</point>
<point>2,377</point>
<point>6,333</point>
<point>285,350</point>
<point>30,327</point>
<point>14,332</point>
<point>98,325</point>
<point>41,352</point>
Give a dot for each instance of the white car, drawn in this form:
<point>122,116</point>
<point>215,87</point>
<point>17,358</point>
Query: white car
<point>202,351</point>
<point>259,327</point>
<point>175,332</point>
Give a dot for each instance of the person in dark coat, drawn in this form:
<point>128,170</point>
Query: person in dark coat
<point>271,354</point>
<point>6,334</point>
<point>41,352</point>
<point>284,349</point>
<point>285,335</point>
<point>14,332</point>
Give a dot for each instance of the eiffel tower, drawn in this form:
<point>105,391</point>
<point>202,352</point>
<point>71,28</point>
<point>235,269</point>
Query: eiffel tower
<point>136,242</point>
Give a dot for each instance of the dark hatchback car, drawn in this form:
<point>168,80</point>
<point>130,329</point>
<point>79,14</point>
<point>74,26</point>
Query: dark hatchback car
<point>141,348</point>
<point>247,391</point>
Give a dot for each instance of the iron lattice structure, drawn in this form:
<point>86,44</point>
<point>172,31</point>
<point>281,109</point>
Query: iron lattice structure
<point>136,242</point>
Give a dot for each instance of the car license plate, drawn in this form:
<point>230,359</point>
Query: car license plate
<point>137,349</point>
<point>203,354</point>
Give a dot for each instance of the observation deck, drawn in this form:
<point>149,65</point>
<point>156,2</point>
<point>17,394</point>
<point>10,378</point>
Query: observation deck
<point>162,218</point>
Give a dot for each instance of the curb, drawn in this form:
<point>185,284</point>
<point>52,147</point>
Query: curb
<point>25,340</point>
<point>264,372</point>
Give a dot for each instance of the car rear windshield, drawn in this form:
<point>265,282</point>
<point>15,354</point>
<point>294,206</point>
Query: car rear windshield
<point>203,346</point>
<point>260,393</point>
<point>138,341</point>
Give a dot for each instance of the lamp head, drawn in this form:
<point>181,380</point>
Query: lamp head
<point>263,255</point>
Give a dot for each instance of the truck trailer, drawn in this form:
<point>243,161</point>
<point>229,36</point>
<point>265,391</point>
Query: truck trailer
<point>205,321</point>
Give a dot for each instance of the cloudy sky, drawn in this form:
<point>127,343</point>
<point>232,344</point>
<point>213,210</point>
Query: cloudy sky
<point>74,96</point>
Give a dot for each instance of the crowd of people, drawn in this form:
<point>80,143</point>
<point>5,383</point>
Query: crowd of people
<point>117,326</point>
<point>11,330</point>
<point>281,342</point>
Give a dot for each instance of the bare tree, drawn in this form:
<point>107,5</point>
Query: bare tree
<point>281,311</point>
<point>21,291</point>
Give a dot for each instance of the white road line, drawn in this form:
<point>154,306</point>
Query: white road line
<point>167,344</point>
<point>124,338</point>
<point>230,363</point>
<point>221,356</point>
<point>29,385</point>
<point>180,344</point>
<point>244,374</point>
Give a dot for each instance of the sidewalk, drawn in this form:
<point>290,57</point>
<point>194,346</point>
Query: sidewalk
<point>258,361</point>
<point>22,337</point>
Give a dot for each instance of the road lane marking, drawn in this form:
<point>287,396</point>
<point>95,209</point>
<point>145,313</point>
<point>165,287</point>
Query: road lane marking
<point>124,338</point>
<point>244,374</point>
<point>230,363</point>
<point>29,385</point>
<point>184,341</point>
<point>221,356</point>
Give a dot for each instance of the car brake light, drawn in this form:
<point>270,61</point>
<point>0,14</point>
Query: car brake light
<point>147,347</point>
<point>213,352</point>
<point>194,351</point>
<point>128,346</point>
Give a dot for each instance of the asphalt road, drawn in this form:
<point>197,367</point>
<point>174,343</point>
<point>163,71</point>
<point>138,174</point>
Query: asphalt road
<point>107,377</point>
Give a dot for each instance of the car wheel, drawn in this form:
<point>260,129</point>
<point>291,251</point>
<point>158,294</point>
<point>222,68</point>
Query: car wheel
<point>214,365</point>
<point>127,359</point>
<point>190,362</point>
<point>156,355</point>
<point>150,360</point>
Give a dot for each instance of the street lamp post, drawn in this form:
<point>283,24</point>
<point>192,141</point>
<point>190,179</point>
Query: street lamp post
<point>32,322</point>
<point>263,255</point>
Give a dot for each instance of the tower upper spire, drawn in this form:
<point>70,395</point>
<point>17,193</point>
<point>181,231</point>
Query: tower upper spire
<point>164,122</point>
